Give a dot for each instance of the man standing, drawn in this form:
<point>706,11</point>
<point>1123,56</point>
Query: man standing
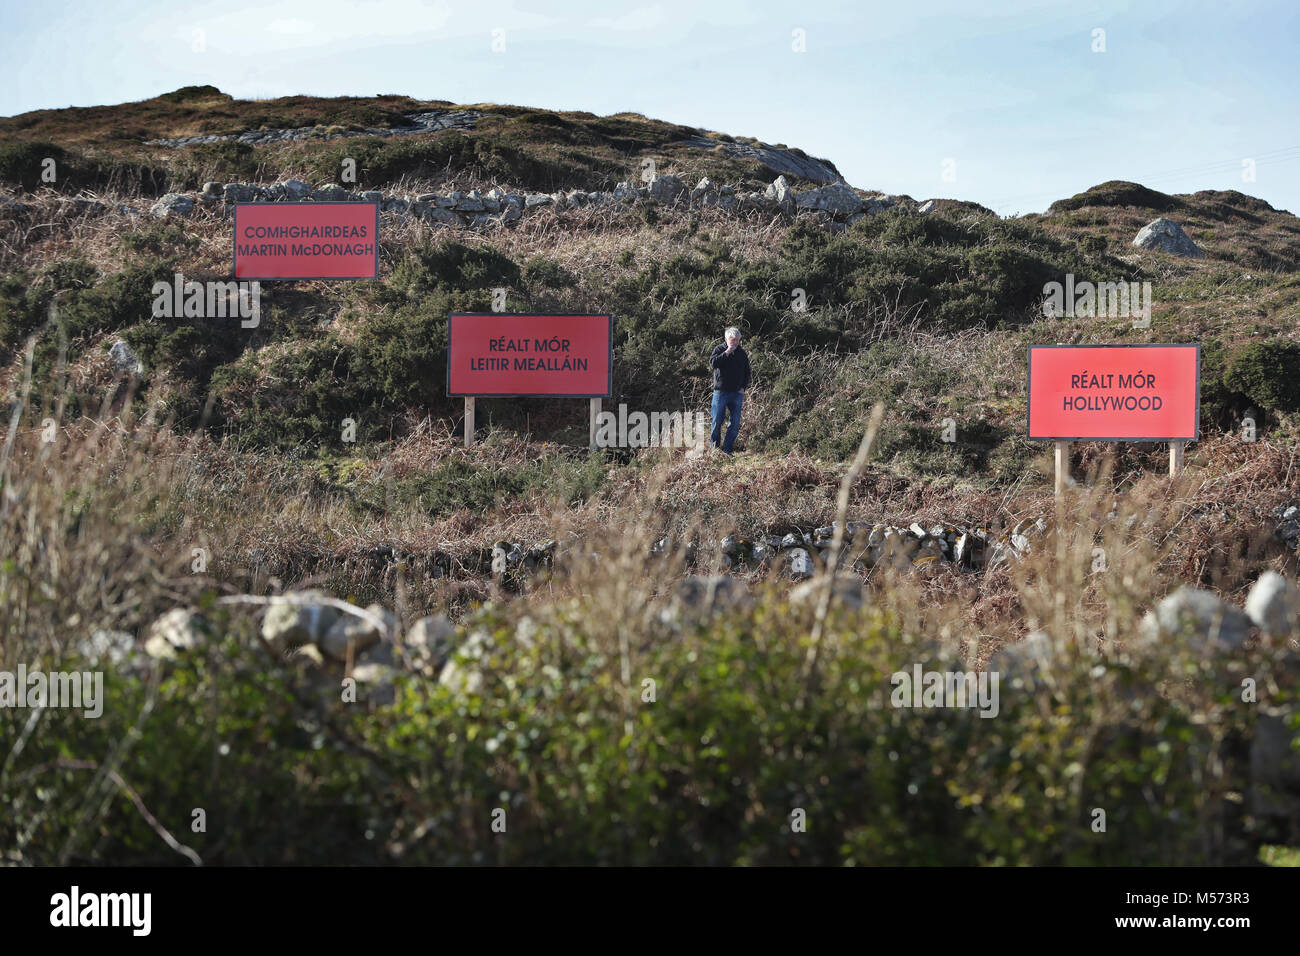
<point>730,366</point>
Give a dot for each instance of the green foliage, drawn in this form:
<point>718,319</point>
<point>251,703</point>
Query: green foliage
<point>188,94</point>
<point>23,164</point>
<point>737,746</point>
<point>224,162</point>
<point>548,274</point>
<point>1268,373</point>
<point>1117,193</point>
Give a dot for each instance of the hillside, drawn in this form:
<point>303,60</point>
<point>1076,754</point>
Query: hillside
<point>200,467</point>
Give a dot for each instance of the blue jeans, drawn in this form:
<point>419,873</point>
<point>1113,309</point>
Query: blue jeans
<point>724,402</point>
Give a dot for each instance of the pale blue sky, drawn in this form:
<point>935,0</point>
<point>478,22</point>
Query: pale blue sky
<point>1009,90</point>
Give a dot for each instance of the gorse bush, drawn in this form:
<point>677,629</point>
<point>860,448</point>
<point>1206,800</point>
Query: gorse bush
<point>1267,373</point>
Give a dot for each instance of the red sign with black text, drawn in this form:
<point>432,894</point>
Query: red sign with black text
<point>307,240</point>
<point>1114,392</point>
<point>505,354</point>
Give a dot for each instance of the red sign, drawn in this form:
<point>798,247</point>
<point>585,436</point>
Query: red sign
<point>496,353</point>
<point>307,240</point>
<point>1114,392</point>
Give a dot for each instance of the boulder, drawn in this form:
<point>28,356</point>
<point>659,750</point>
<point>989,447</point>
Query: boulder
<point>1165,235</point>
<point>836,199</point>
<point>666,188</point>
<point>124,360</point>
<point>296,189</point>
<point>703,595</point>
<point>1207,622</point>
<point>328,192</point>
<point>180,629</point>
<point>238,192</point>
<point>212,191</point>
<point>357,633</point>
<point>375,683</point>
<point>172,204</point>
<point>1274,604</point>
<point>846,591</point>
<point>1026,660</point>
<point>300,618</point>
<point>780,193</point>
<point>799,563</point>
<point>429,643</point>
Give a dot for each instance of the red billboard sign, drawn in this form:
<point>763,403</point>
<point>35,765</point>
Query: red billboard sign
<point>307,240</point>
<point>505,354</point>
<point>1114,392</point>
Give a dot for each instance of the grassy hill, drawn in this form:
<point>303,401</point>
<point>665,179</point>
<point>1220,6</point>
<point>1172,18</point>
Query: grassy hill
<point>231,444</point>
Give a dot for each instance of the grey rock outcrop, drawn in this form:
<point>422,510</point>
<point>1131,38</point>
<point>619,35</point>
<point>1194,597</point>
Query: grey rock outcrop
<point>1165,235</point>
<point>1207,622</point>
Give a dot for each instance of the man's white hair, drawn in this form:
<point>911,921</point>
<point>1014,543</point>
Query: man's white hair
<point>731,330</point>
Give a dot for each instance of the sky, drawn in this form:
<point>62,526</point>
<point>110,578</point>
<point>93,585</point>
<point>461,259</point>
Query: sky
<point>1009,103</point>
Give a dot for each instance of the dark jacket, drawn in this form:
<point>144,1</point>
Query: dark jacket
<point>730,372</point>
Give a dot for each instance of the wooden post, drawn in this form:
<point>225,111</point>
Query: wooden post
<point>591,433</point>
<point>1062,466</point>
<point>1176,457</point>
<point>469,421</point>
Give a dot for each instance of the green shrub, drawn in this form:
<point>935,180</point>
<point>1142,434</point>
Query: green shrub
<point>1268,373</point>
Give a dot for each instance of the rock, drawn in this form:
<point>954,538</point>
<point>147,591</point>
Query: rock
<point>1274,604</point>
<point>297,619</point>
<point>799,562</point>
<point>212,192</point>
<point>836,199</point>
<point>179,629</point>
<point>847,591</point>
<point>1207,621</point>
<point>357,633</point>
<point>781,194</point>
<point>429,643</point>
<point>928,207</point>
<point>666,188</point>
<point>699,596</point>
<point>238,192</point>
<point>1165,235</point>
<point>373,195</point>
<point>537,199</point>
<point>172,204</point>
<point>328,192</point>
<point>1025,660</point>
<point>375,681</point>
<point>427,197</point>
<point>297,190</point>
<point>471,202</point>
<point>125,360</point>
<point>438,214</point>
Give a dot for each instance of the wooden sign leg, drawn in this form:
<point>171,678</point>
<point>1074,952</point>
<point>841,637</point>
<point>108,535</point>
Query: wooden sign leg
<point>1062,466</point>
<point>1176,457</point>
<point>591,431</point>
<point>469,422</point>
